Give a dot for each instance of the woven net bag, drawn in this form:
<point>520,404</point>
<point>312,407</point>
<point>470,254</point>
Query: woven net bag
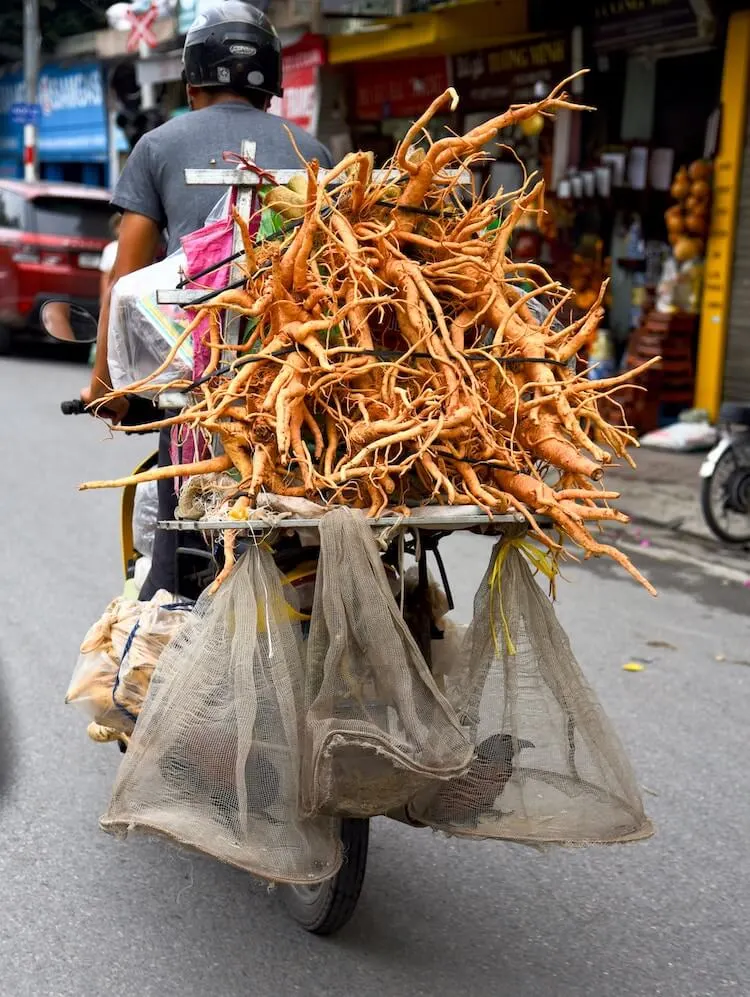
<point>548,767</point>
<point>378,728</point>
<point>214,761</point>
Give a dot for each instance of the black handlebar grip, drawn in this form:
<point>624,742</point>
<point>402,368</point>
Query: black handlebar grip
<point>73,407</point>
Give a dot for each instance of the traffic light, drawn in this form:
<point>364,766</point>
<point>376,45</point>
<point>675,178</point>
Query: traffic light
<point>136,122</point>
<point>132,118</point>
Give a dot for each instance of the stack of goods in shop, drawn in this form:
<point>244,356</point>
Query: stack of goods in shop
<point>669,330</point>
<point>688,220</point>
<point>687,224</point>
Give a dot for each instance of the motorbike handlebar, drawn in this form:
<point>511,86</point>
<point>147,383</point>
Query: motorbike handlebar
<point>141,411</point>
<point>73,407</point>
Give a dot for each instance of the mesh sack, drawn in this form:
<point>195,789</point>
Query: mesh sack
<point>449,664</point>
<point>378,729</point>
<point>214,762</point>
<point>118,656</point>
<point>548,767</point>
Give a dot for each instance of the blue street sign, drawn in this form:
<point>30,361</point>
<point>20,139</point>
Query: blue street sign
<point>22,113</point>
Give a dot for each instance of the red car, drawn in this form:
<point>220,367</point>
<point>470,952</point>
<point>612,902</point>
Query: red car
<point>51,239</point>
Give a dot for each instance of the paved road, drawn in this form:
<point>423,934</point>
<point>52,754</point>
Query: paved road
<point>81,913</point>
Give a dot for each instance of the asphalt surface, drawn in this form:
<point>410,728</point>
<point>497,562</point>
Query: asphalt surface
<point>81,913</point>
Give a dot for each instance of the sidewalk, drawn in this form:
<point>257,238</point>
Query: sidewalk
<point>664,489</point>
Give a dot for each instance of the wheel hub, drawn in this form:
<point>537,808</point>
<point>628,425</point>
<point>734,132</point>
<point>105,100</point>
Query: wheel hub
<point>737,491</point>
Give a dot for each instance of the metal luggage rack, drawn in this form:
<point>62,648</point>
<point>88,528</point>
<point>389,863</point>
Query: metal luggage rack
<point>443,518</point>
<point>245,181</point>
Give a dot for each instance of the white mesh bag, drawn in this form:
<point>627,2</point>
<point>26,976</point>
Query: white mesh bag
<point>214,760</point>
<point>548,767</point>
<point>378,728</point>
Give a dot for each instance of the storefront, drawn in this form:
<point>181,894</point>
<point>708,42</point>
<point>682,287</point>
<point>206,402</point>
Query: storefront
<point>388,96</point>
<point>73,141</point>
<point>489,81</point>
<point>655,80</point>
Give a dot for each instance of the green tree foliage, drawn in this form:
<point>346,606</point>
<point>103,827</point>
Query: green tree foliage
<point>58,19</point>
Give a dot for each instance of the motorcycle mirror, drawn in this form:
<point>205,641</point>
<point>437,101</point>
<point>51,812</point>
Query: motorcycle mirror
<point>68,322</point>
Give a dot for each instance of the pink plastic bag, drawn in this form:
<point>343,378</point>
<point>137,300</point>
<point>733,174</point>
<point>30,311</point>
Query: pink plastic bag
<point>203,248</point>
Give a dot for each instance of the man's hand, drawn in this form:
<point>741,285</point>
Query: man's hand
<point>115,409</point>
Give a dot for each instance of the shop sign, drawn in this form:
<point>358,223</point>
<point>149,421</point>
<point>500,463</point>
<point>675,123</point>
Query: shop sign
<point>73,122</point>
<point>301,64</point>
<point>398,89</point>
<point>619,24</point>
<point>493,78</point>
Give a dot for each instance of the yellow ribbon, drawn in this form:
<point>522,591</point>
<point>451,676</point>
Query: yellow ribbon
<point>540,560</point>
<point>308,568</point>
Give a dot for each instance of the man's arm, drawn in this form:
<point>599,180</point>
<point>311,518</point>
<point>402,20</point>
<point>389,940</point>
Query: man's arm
<point>137,244</point>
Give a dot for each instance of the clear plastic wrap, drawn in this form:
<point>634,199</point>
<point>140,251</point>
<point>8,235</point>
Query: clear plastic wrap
<point>142,332</point>
<point>118,656</point>
<point>145,516</point>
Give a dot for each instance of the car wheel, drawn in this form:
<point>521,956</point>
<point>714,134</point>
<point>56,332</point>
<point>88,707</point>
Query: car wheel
<point>6,340</point>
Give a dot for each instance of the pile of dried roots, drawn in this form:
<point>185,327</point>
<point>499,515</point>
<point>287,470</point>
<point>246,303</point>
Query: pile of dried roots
<point>395,355</point>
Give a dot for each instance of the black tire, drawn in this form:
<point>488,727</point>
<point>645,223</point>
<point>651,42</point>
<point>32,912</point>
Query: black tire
<point>6,340</point>
<point>325,908</point>
<point>708,502</point>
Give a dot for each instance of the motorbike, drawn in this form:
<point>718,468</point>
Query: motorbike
<point>324,908</point>
<point>725,477</point>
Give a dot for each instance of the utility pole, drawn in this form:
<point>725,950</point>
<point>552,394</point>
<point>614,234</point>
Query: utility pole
<point>148,95</point>
<point>31,46</point>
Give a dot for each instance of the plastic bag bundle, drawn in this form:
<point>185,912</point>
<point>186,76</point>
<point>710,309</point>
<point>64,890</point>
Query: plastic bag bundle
<point>118,657</point>
<point>378,728</point>
<point>548,767</point>
<point>142,332</point>
<point>214,761</point>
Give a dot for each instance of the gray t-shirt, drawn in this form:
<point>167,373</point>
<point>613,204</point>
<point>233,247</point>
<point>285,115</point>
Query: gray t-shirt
<point>153,182</point>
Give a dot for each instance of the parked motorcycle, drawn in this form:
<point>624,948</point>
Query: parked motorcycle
<point>725,474</point>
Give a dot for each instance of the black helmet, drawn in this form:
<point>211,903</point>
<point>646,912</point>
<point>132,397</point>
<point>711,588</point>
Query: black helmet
<point>233,45</point>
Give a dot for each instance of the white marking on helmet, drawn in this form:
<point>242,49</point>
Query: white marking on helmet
<point>255,78</point>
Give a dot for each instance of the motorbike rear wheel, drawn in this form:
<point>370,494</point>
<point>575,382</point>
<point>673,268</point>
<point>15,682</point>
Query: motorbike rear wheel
<point>325,908</point>
<point>725,497</point>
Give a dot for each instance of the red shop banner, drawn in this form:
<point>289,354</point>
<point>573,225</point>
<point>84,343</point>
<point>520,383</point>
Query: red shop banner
<point>398,89</point>
<point>301,64</point>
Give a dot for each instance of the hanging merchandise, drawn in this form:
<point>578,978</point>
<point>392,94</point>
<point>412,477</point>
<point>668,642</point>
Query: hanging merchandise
<point>378,728</point>
<point>688,220</point>
<point>548,768</point>
<point>214,762</point>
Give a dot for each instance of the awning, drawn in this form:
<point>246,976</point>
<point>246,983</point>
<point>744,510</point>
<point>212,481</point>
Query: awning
<point>647,24</point>
<point>448,31</point>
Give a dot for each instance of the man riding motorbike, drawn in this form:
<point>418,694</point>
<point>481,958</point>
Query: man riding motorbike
<point>232,69</point>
